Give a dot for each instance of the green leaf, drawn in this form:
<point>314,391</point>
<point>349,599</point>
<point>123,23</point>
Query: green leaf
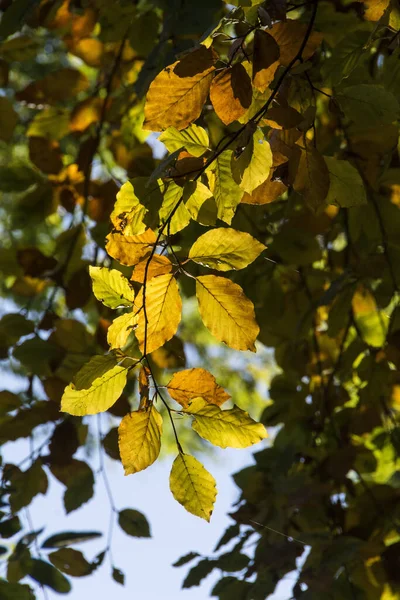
<point>111,288</point>
<point>134,523</point>
<point>183,560</point>
<point>15,591</point>
<point>232,428</point>
<point>193,486</point>
<point>118,576</point>
<point>78,477</point>
<point>251,168</point>
<point>25,485</point>
<point>67,538</point>
<point>96,387</point>
<point>181,217</point>
<point>224,249</point>
<point>346,186</point>
<point>45,574</point>
<point>368,106</point>
<point>225,190</point>
<point>70,561</point>
<point>194,139</point>
<point>198,573</point>
<point>200,203</point>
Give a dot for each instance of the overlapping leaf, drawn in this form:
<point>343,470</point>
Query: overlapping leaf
<point>191,383</point>
<point>111,288</point>
<point>225,249</point>
<point>139,435</point>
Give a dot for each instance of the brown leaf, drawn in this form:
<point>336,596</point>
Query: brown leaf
<point>265,59</point>
<point>55,87</point>
<point>231,93</point>
<point>265,193</point>
<point>290,36</point>
<point>90,50</point>
<point>282,117</point>
<point>177,95</point>
<point>311,177</point>
<point>45,155</point>
<point>34,262</point>
<point>85,113</point>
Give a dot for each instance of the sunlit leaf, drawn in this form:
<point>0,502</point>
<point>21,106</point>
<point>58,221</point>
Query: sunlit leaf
<point>111,288</point>
<point>191,383</point>
<point>231,93</point>
<point>129,250</point>
<point>159,320</point>
<point>103,389</point>
<point>140,439</point>
<point>193,486</point>
<point>225,248</point>
<point>120,329</point>
<point>232,428</point>
<point>158,265</point>
<point>251,168</point>
<point>225,190</point>
<point>227,312</point>
<point>194,139</point>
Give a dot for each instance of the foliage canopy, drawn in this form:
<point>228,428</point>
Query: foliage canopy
<point>275,208</point>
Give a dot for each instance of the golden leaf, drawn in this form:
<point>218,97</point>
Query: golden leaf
<point>251,168</point>
<point>111,288</point>
<point>231,93</point>
<point>191,383</point>
<point>290,35</point>
<point>159,322</point>
<point>159,265</point>
<point>265,59</point>
<point>139,437</point>
<point>225,248</point>
<point>120,329</point>
<point>177,95</point>
<point>227,312</point>
<point>130,249</point>
<point>193,486</point>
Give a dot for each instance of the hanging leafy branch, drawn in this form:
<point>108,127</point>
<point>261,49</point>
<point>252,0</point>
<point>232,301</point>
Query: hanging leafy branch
<point>275,207</point>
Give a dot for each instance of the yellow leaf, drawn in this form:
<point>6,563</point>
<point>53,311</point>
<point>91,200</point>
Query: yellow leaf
<point>375,9</point>
<point>90,50</point>
<point>232,428</point>
<point>200,203</point>
<point>227,312</point>
<point>225,248</point>
<point>111,288</point>
<point>120,329</point>
<point>312,178</point>
<point>265,59</point>
<point>139,436</point>
<point>177,95</point>
<point>97,386</point>
<point>193,486</point>
<point>163,313</point>
<point>231,93</point>
<point>85,114</point>
<point>251,168</point>
<point>181,217</point>
<point>130,249</point>
<point>289,36</point>
<point>128,214</point>
<point>194,139</point>
<point>159,265</point>
<point>191,383</point>
<point>226,192</point>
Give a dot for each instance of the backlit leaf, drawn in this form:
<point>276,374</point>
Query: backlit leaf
<point>191,383</point>
<point>225,190</point>
<point>289,36</point>
<point>251,168</point>
<point>111,288</point>
<point>200,203</point>
<point>120,329</point>
<point>194,139</point>
<point>160,321</point>
<point>130,249</point>
<point>227,312</point>
<point>177,95</point>
<point>181,216</point>
<point>193,486</point>
<point>232,428</point>
<point>158,265</point>
<point>101,393</point>
<point>231,93</point>
<point>140,439</point>
<point>225,248</point>
<point>267,192</point>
